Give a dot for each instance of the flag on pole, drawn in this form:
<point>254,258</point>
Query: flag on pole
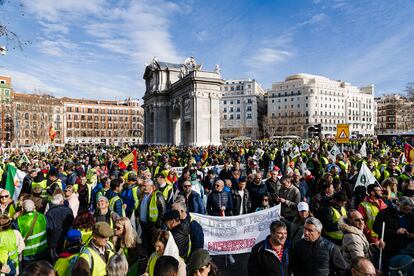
<point>14,181</point>
<point>52,133</point>
<point>24,159</point>
<point>204,156</point>
<point>363,150</point>
<point>132,157</point>
<point>409,152</point>
<point>365,177</point>
<point>334,152</point>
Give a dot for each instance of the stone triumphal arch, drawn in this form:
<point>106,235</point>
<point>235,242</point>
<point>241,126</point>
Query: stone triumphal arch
<point>181,104</point>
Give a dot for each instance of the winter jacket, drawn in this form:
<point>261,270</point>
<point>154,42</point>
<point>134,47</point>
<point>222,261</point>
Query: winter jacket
<point>217,200</point>
<point>320,258</point>
<point>354,243</point>
<point>272,186</point>
<point>194,203</point>
<point>128,199</point>
<point>256,192</point>
<point>237,202</point>
<point>118,204</point>
<point>292,197</point>
<point>263,260</point>
<point>181,234</point>
<point>196,233</point>
<point>59,219</point>
<point>394,241</point>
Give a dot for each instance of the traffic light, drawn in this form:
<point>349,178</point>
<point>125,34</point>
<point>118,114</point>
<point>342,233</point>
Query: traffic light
<point>317,130</point>
<point>311,132</point>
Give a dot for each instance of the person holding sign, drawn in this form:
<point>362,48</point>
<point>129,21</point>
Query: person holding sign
<point>271,256</point>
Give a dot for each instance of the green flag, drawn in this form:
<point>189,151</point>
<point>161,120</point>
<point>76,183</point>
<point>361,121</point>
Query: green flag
<point>14,181</point>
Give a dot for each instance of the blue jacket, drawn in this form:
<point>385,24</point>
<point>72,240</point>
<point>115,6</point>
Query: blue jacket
<point>118,204</point>
<point>128,198</point>
<point>194,203</point>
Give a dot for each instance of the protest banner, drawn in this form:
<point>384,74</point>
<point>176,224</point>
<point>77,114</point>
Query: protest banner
<point>236,234</point>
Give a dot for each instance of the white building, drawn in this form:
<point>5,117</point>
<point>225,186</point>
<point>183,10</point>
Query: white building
<point>242,107</point>
<point>303,100</point>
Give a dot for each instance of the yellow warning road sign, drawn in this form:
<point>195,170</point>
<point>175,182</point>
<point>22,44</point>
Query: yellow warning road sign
<point>342,133</point>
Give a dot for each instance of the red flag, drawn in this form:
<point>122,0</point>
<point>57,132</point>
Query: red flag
<point>132,157</point>
<point>52,133</point>
<point>409,153</point>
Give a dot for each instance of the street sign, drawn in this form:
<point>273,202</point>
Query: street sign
<point>342,133</point>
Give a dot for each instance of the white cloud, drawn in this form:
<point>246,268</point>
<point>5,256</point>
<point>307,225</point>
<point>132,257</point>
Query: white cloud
<point>269,56</point>
<point>314,19</point>
<point>57,48</point>
<point>63,10</point>
<point>27,83</point>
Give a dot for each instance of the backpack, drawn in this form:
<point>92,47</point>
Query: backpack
<point>401,265</point>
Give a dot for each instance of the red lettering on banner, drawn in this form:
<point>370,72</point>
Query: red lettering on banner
<point>232,245</point>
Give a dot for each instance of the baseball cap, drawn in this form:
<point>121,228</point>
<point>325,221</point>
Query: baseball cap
<point>303,206</point>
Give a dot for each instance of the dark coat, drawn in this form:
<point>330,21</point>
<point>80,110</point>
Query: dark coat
<point>161,206</point>
<point>59,220</point>
<point>394,241</point>
<point>217,200</point>
<point>27,185</point>
<point>263,260</point>
<point>196,233</point>
<point>181,234</point>
<point>256,192</point>
<point>194,203</point>
<point>237,201</point>
<point>320,258</point>
<point>118,204</point>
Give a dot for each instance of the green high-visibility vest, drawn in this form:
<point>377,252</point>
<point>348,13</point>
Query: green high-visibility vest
<point>337,235</point>
<point>95,262</point>
<point>112,204</point>
<point>371,211</point>
<point>153,208</point>
<point>8,242</point>
<point>37,241</point>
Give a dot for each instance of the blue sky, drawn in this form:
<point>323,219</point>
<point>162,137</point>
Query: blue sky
<point>99,48</point>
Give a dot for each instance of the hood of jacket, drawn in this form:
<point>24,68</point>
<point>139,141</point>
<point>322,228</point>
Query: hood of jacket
<point>347,228</point>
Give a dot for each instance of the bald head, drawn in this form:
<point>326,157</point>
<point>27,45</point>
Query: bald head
<point>362,266</point>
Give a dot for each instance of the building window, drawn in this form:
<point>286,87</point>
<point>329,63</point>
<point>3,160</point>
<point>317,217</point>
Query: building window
<point>225,117</point>
<point>225,102</point>
<point>248,115</point>
<point>238,116</point>
<point>238,101</point>
<point>249,101</point>
<point>231,117</point>
<point>249,108</point>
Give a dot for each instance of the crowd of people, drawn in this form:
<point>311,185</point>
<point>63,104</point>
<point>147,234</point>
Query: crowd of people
<point>80,212</point>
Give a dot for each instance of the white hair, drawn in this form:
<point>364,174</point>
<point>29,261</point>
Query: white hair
<point>57,199</point>
<point>28,205</point>
<point>117,265</point>
<point>316,222</point>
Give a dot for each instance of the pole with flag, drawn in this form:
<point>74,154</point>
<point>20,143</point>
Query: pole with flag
<point>363,150</point>
<point>52,133</point>
<point>409,153</point>
<point>365,177</point>
<point>14,181</point>
<point>132,157</point>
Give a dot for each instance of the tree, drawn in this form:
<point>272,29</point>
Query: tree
<point>10,37</point>
<point>409,90</point>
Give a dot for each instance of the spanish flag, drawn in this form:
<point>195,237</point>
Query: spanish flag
<point>132,157</point>
<point>52,133</point>
<point>409,153</point>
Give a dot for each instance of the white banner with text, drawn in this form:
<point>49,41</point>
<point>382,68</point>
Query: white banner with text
<point>237,234</point>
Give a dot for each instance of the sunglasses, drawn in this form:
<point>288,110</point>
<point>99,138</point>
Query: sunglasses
<point>187,186</point>
<point>5,196</point>
<point>265,199</point>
